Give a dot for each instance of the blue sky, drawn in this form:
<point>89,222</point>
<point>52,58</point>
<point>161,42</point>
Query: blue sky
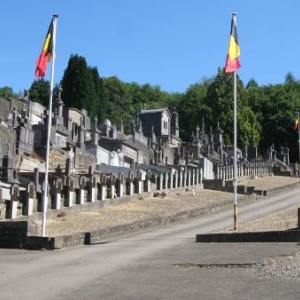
<point>172,44</point>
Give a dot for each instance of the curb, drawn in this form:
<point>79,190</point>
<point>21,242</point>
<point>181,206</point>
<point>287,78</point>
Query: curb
<point>251,237</point>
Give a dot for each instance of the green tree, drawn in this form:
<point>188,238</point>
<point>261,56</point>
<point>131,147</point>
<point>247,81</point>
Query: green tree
<point>39,92</point>
<point>6,92</point>
<point>83,88</point>
<point>275,107</point>
<point>192,108</point>
<point>119,103</point>
<point>220,100</point>
<point>290,79</point>
<point>251,84</point>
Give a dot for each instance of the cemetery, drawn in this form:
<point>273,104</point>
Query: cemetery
<point>96,163</point>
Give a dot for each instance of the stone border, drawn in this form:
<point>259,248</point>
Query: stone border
<point>251,237</point>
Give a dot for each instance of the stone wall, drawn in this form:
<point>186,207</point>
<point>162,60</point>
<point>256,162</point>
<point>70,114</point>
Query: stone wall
<point>14,234</point>
<point>7,141</point>
<point>58,157</point>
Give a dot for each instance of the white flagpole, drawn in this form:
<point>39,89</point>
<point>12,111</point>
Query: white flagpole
<point>234,143</point>
<point>235,150</point>
<point>49,125</point>
<point>298,118</point>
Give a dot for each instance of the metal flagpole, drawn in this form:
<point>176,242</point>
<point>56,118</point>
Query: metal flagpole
<point>298,118</point>
<point>232,64</point>
<point>45,193</point>
<point>235,150</point>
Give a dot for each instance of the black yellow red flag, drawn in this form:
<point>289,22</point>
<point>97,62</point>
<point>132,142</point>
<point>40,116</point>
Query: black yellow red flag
<point>296,124</point>
<point>46,53</point>
<point>232,59</point>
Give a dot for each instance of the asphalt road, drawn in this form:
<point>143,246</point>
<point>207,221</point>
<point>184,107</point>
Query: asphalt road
<point>163,263</point>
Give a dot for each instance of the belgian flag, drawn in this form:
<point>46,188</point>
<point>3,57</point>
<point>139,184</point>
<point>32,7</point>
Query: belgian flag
<point>46,53</point>
<point>232,59</point>
<point>296,124</point>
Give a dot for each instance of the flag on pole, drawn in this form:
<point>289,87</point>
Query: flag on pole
<point>232,59</point>
<point>296,124</point>
<point>46,53</point>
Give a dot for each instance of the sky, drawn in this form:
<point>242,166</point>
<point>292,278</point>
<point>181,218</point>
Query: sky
<point>168,43</point>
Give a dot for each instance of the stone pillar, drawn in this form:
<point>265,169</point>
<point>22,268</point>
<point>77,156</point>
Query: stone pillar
<point>112,186</point>
<point>218,172</point>
<point>37,180</point>
<point>41,199</point>
<point>165,181</point>
<point>201,176</point>
<point>13,203</point>
<point>68,168</point>
<point>57,194</point>
<point>103,190</point>
<point>180,179</point>
<point>260,168</point>
<point>58,171</point>
<point>30,197</point>
<point>184,178</point>
<point>176,179</point>
<point>193,177</point>
<point>92,186</point>
<point>189,177</point>
<point>160,181</point>
<point>82,184</point>
<point>171,180</point>
<point>92,190</point>
<point>223,173</point>
<point>130,183</point>
<point>139,182</point>
<point>120,188</point>
<point>148,182</point>
<point>69,201</point>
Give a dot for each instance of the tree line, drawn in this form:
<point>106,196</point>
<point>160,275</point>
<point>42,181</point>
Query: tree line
<point>265,114</point>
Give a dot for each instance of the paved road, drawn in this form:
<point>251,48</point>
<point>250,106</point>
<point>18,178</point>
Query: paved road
<point>157,264</point>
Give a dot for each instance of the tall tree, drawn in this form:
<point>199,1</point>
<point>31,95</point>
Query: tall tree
<point>119,103</point>
<point>275,107</point>
<point>82,88</point>
<point>220,100</point>
<point>192,109</point>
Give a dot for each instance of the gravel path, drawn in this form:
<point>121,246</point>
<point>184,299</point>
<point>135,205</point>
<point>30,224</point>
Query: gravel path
<point>280,266</point>
<point>145,208</point>
<point>135,210</point>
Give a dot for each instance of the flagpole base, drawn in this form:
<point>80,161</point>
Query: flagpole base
<point>234,217</point>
